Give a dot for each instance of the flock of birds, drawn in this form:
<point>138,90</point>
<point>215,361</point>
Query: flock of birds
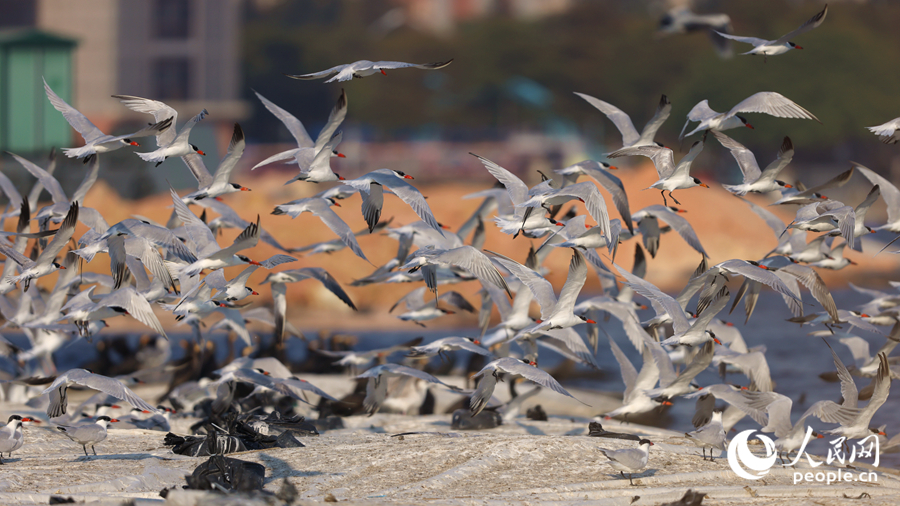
<point>179,267</point>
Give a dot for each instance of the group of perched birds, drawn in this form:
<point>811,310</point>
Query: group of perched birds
<point>179,267</point>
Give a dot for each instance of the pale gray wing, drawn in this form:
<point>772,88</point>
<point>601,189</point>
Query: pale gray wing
<point>595,205</point>
<point>531,373</point>
<point>413,300</point>
<point>662,114</point>
<point>235,151</point>
<point>755,366</point>
<point>412,197</point>
<point>574,282</point>
<point>663,158</point>
<point>160,112</point>
<point>622,121</point>
<point>402,65</point>
<point>848,387</point>
<point>141,280</point>
<point>784,157</point>
<point>811,23</point>
<point>629,373</point>
<point>744,157</point>
<point>889,192</point>
<point>185,132</point>
<point>104,384</point>
<point>323,277</point>
<point>198,231</point>
<point>671,306</point>
<point>816,286</point>
<point>290,386</point>
<point>475,262</point>
<point>774,222</point>
<point>236,323</point>
<point>762,275</point>
<point>66,229</point>
<point>539,286</point>
<point>276,260</point>
<point>613,185</point>
<point>228,215</point>
<point>216,279</point>
<point>701,111</point>
<point>12,194</point>
<point>116,250</point>
<point>667,375</point>
<point>338,226</point>
<point>198,169</point>
<point>372,203</point>
<point>774,104</point>
<point>699,364</point>
<point>294,125</point>
<point>683,228</point>
<point>756,41</point>
<point>320,74</point>
<point>880,392</point>
<point>858,346</point>
<point>517,190</point>
<point>89,179</point>
<point>335,118</point>
<point>78,121</point>
<point>49,182</point>
<point>279,308</point>
<point>137,307</point>
<point>246,240</point>
<point>484,391</point>
<point>831,412</point>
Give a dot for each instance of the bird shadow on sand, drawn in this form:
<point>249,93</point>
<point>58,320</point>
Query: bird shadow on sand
<point>120,456</point>
<point>531,429</point>
<point>279,468</point>
<point>646,474</point>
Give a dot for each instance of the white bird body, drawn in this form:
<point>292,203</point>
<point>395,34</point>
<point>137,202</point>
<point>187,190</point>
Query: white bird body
<point>767,102</point>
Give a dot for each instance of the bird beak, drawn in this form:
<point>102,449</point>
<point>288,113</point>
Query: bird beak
<point>666,403</point>
<point>590,321</point>
<point>699,388</point>
<point>335,204</point>
<point>613,167</point>
<point>144,411</point>
<point>449,312</point>
<point>539,321</point>
<point>704,185</point>
<point>643,306</point>
<point>341,178</point>
<point>383,72</point>
<point>222,304</point>
<point>62,267</point>
<point>341,155</point>
<point>853,263</point>
<point>408,177</point>
<point>445,227</point>
<point>729,324</point>
<point>116,406</point>
<point>135,144</point>
<point>201,153</point>
<point>477,342</point>
<point>218,198</point>
<point>254,262</point>
<point>763,267</point>
<point>244,189</point>
<point>683,210</point>
<point>716,340</point>
<point>788,186</point>
<point>532,364</point>
<point>864,315</point>
<point>558,224</point>
<point>114,420</point>
<point>254,292</point>
<point>748,125</point>
<point>587,226</point>
<point>881,433</point>
<point>820,436</point>
<point>798,47</point>
<point>266,373</point>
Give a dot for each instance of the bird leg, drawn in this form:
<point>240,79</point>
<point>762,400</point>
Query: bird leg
<point>703,448</point>
<point>93,450</point>
<point>629,478</point>
<point>663,193</point>
<point>84,447</point>
<point>674,199</point>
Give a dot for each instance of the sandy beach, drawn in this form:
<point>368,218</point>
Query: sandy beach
<point>525,462</point>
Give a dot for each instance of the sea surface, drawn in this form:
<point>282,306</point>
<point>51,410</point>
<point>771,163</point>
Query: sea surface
<point>795,359</point>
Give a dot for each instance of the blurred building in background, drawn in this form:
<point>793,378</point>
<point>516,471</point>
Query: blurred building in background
<point>183,52</point>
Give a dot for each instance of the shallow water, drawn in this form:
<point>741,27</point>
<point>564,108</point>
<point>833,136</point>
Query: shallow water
<point>795,360</point>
